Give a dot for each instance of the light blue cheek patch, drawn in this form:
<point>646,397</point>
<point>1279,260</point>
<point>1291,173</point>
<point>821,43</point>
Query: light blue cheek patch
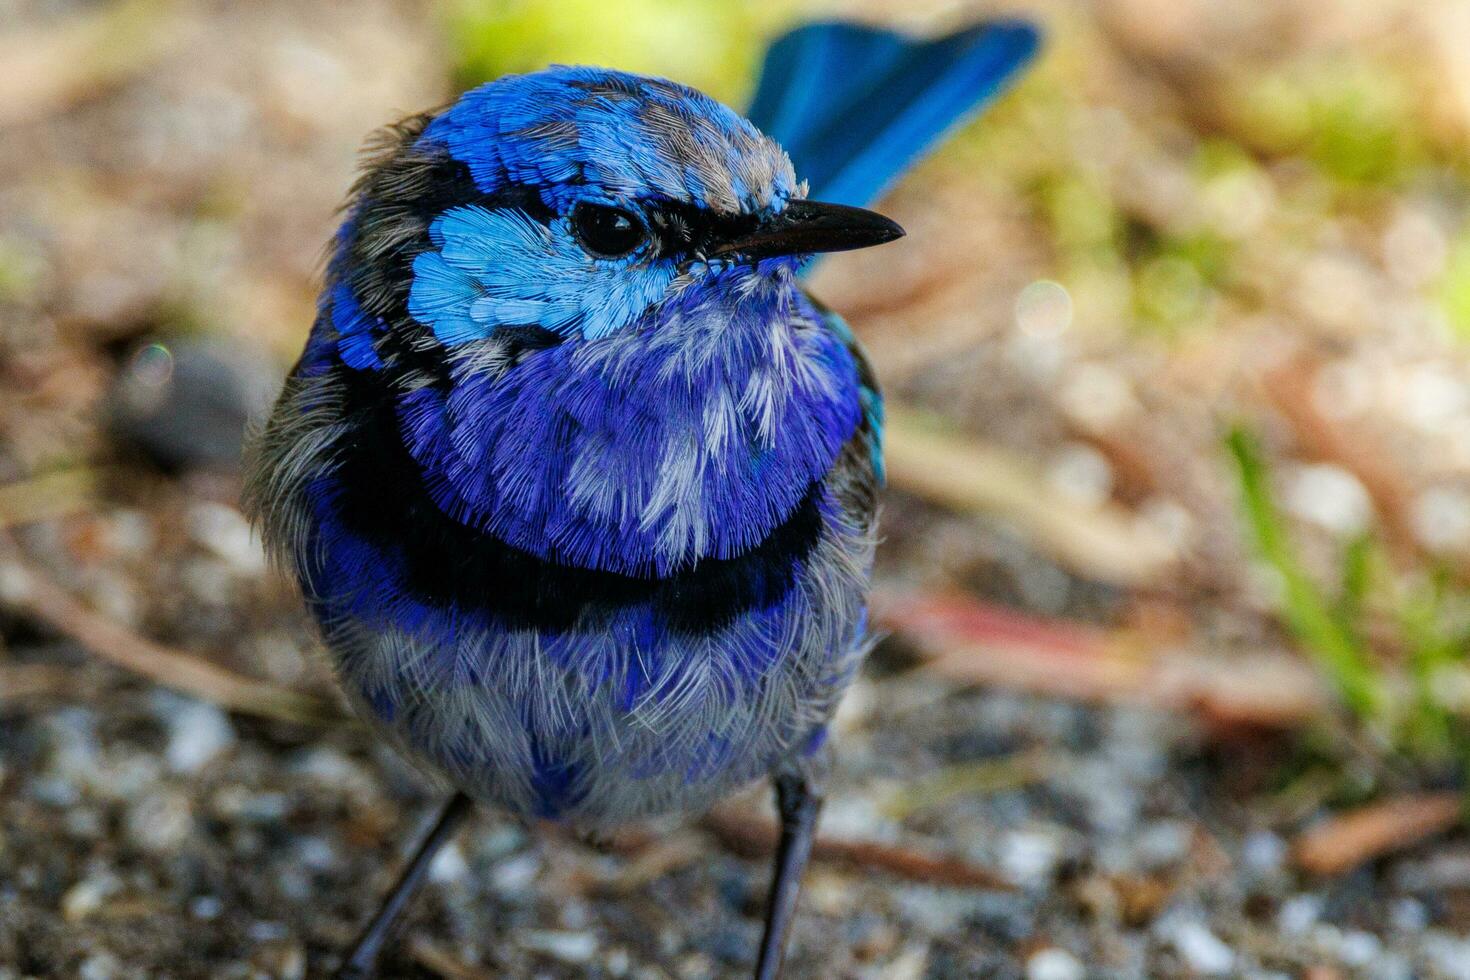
<point>503,268</point>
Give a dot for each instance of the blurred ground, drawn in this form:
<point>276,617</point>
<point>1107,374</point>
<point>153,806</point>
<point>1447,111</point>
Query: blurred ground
<point>1093,743</point>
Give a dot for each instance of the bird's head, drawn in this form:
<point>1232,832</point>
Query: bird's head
<point>571,297</point>
<point>574,201</point>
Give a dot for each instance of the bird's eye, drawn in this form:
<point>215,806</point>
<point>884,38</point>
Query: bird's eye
<point>607,232</point>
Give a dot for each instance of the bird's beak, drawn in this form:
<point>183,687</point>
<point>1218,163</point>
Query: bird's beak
<point>813,226</point>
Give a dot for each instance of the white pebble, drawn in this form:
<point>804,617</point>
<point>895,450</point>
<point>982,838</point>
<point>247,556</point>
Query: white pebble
<point>1358,948</point>
<point>1263,852</point>
<point>1328,496</point>
<point>1205,953</point>
<point>1441,518</point>
<point>911,964</point>
<point>1054,964</point>
<point>449,865</point>
<point>1392,966</point>
<point>1298,914</point>
<point>88,895</point>
<point>1029,856</point>
<point>99,966</point>
<point>569,947</point>
<point>1408,915</point>
<point>1449,953</point>
<point>514,875</point>
<point>1164,843</point>
<point>206,907</point>
<point>160,822</point>
<point>226,532</point>
<point>1081,473</point>
<point>198,734</point>
<point>318,854</point>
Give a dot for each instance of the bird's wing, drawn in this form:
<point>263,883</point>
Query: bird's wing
<point>867,441</point>
<point>854,105</point>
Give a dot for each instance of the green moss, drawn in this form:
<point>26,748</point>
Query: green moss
<point>1082,215</point>
<point>21,270</point>
<point>710,44</point>
<point>1454,289</point>
<point>1357,120</point>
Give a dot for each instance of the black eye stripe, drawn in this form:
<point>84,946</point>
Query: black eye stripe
<point>685,230</point>
<point>608,232</point>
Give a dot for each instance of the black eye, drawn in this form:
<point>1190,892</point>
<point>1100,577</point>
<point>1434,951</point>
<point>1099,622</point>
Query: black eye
<point>607,232</point>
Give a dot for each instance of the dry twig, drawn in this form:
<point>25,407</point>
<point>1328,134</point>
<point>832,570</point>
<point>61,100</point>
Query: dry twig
<point>33,594</point>
<point>436,959</point>
<point>752,835</point>
<point>1101,543</point>
<point>974,642</point>
<point>1348,840</point>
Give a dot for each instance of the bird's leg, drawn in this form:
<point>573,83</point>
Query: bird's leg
<point>798,802</point>
<point>362,962</point>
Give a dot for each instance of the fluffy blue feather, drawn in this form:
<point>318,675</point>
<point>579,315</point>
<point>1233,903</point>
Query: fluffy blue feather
<point>854,106</point>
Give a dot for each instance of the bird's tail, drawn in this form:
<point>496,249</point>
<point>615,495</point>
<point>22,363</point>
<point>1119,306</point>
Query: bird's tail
<point>854,106</point>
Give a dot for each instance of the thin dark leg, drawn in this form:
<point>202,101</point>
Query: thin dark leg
<point>362,962</point>
<point>797,804</point>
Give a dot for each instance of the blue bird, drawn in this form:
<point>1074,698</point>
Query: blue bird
<point>577,480</point>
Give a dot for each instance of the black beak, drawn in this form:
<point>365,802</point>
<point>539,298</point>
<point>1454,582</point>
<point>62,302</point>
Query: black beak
<point>812,226</point>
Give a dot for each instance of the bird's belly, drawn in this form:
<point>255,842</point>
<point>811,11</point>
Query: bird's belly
<point>625,719</point>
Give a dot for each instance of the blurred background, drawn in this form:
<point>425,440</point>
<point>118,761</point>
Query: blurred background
<point>1176,573</point>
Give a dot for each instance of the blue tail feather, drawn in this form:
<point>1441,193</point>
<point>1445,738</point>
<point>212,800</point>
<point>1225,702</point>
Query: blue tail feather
<point>854,106</point>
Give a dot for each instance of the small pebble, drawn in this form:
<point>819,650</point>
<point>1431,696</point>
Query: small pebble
<point>89,895</point>
<point>1328,496</point>
<point>937,912</point>
<point>205,907</point>
<point>1054,964</point>
<point>318,854</point>
<point>160,822</point>
<point>1263,852</point>
<point>1299,913</point>
<point>569,947</point>
<point>1391,966</point>
<point>99,966</point>
<point>1164,843</point>
<point>226,532</point>
<point>1205,953</point>
<point>1030,856</point>
<point>331,768</point>
<point>236,803</point>
<point>198,733</point>
<point>55,791</point>
<point>1449,953</point>
<point>911,964</point>
<point>513,876</point>
<point>449,865</point>
<point>696,966</point>
<point>1408,915</point>
<point>83,823</point>
<point>281,960</point>
<point>1358,948</point>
